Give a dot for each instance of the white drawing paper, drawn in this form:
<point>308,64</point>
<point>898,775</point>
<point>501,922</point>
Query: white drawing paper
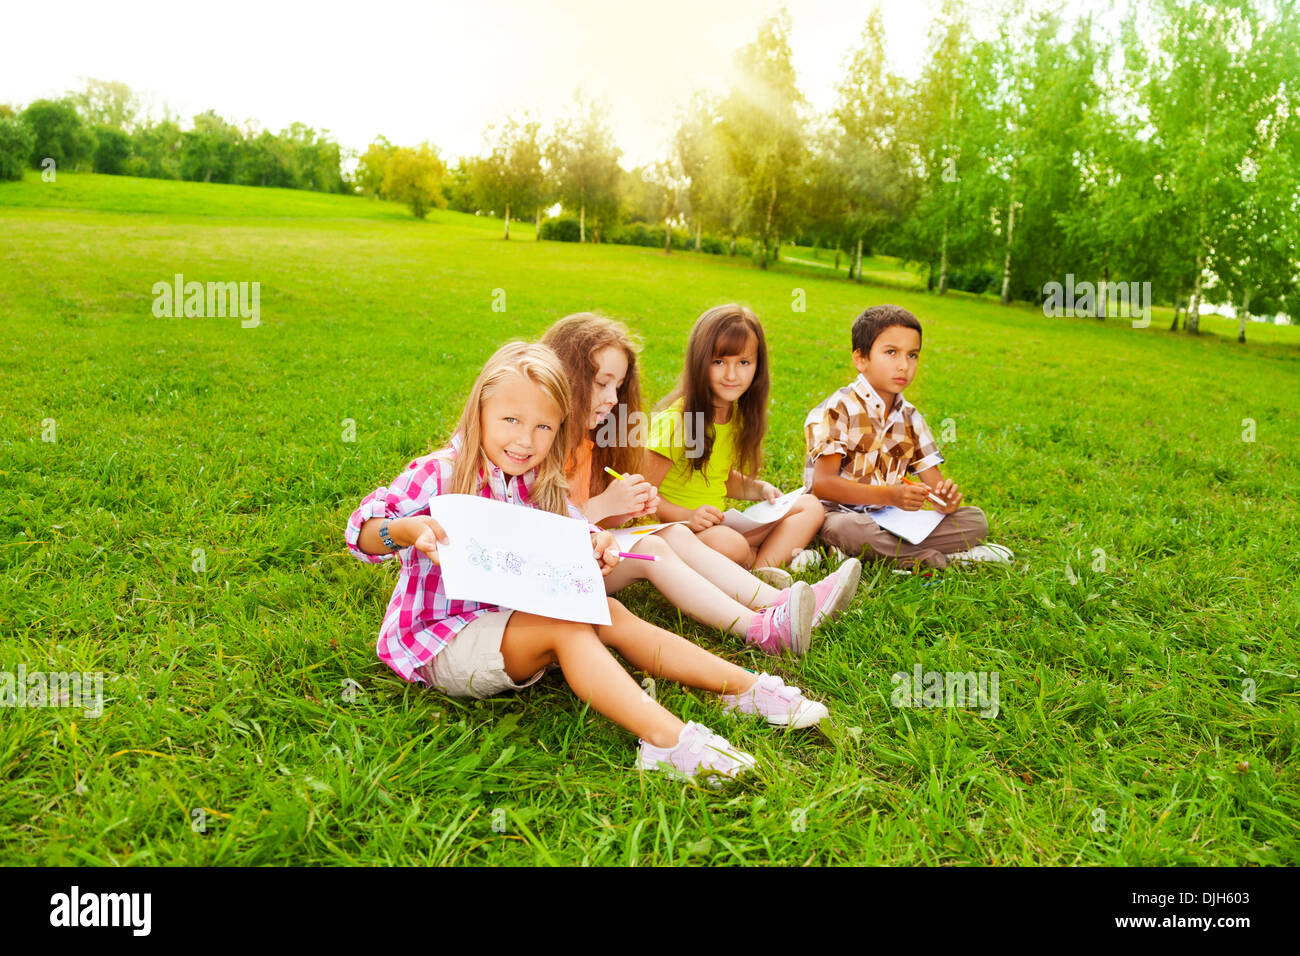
<point>520,558</point>
<point>765,512</point>
<point>912,526</point>
<point>626,538</point>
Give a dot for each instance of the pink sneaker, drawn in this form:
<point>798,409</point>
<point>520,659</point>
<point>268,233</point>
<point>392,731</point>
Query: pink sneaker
<point>780,703</point>
<point>699,751</point>
<point>785,626</point>
<point>835,591</point>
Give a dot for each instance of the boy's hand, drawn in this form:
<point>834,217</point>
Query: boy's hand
<point>421,531</point>
<point>605,551</point>
<point>947,490</point>
<point>704,517</point>
<point>908,496</point>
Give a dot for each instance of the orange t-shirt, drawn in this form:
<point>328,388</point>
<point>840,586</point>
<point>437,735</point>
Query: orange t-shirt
<point>578,471</point>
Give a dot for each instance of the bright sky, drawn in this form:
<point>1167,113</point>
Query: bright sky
<point>435,70</point>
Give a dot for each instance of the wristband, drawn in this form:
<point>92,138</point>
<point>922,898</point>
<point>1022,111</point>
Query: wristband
<point>389,543</point>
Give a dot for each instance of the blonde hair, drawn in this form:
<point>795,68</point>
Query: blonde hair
<point>541,366</point>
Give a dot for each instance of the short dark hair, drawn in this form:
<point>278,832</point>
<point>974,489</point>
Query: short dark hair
<point>875,320</point>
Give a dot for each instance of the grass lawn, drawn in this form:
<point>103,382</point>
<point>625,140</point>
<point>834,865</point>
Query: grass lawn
<point>1146,639</point>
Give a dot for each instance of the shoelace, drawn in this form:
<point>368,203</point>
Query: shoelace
<point>707,738</point>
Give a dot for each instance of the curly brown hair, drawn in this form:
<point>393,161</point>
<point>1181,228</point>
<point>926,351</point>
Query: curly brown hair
<point>577,339</point>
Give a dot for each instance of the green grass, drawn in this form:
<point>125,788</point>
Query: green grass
<point>1121,687</point>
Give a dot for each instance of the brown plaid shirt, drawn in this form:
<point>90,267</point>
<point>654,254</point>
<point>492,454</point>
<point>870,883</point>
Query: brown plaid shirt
<point>878,448</point>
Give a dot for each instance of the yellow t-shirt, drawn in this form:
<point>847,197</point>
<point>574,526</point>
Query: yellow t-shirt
<point>682,485</point>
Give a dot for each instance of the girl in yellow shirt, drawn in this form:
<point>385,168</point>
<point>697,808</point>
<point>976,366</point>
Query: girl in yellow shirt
<point>706,445</point>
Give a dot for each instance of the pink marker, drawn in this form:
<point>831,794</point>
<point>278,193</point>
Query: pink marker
<point>641,557</point>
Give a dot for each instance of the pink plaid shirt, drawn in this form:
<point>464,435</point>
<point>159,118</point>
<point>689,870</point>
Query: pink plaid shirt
<point>421,619</point>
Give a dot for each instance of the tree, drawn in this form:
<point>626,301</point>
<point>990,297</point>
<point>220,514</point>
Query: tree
<point>584,161</point>
<point>1205,97</point>
<point>763,133</point>
<point>209,150</point>
<point>107,104</point>
<point>16,141</point>
<point>864,155</point>
<point>695,150</point>
<point>512,175</point>
<point>372,166</point>
<point>58,133</point>
<point>414,176</point>
<point>156,150</point>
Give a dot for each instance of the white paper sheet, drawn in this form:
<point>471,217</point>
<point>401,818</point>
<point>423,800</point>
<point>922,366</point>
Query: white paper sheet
<point>520,558</point>
<point>912,526</point>
<point>755,516</point>
<point>626,538</point>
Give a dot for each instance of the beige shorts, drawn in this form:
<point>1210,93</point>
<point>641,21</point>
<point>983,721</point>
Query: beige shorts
<point>472,665</point>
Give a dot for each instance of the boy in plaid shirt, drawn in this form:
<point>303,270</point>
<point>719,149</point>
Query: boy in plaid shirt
<point>866,437</point>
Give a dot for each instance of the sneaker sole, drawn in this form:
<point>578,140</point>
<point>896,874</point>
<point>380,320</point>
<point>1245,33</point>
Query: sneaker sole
<point>848,589</point>
<point>811,713</point>
<point>803,605</point>
<point>711,778</point>
<point>778,578</point>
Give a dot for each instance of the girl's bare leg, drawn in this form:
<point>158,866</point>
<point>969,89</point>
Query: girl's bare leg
<point>725,574</point>
<point>778,542</point>
<point>684,587</point>
<point>730,543</point>
<point>531,642</point>
<point>671,656</point>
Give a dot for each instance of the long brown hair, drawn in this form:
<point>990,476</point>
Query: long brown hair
<point>543,368</point>
<point>577,339</point>
<point>721,331</point>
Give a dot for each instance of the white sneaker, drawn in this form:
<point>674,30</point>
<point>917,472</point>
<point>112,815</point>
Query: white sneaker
<point>699,754</point>
<point>837,556</point>
<point>778,578</point>
<point>995,553</point>
<point>778,702</point>
<point>805,559</point>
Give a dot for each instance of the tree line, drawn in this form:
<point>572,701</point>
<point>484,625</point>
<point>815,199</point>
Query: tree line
<point>102,129</point>
<point>1156,143</point>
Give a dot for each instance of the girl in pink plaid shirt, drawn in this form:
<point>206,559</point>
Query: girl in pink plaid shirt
<point>510,445</point>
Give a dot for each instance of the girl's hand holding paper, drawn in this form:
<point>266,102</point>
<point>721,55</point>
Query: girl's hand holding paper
<point>427,534</point>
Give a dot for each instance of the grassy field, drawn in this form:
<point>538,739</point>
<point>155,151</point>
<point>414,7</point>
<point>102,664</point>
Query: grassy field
<point>1146,640</point>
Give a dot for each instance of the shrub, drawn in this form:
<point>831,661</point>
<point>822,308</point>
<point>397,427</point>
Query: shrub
<point>562,229</point>
<point>16,142</point>
<point>112,151</point>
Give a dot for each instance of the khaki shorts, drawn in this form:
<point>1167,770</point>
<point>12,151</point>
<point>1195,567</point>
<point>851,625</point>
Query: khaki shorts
<point>472,665</point>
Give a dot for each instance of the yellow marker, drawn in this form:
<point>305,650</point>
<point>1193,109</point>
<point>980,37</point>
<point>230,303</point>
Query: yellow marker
<point>616,474</point>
